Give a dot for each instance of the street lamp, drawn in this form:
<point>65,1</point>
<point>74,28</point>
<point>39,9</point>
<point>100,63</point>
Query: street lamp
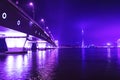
<point>31,4</point>
<point>30,23</point>
<point>47,28</point>
<point>108,44</point>
<point>17,2</point>
<point>42,20</point>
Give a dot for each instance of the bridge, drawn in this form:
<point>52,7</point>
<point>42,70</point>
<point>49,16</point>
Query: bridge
<point>13,17</point>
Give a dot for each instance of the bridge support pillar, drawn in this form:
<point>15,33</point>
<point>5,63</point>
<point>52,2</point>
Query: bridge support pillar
<point>34,46</point>
<point>3,45</point>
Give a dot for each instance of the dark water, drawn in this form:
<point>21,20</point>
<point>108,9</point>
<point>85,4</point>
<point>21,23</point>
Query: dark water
<point>62,64</point>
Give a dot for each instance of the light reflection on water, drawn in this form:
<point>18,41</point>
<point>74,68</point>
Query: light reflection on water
<point>108,52</point>
<point>83,59</point>
<point>33,65</point>
<point>84,64</point>
<point>109,55</point>
<point>118,49</point>
<point>118,53</point>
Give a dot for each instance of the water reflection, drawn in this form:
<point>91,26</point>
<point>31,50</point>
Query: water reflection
<point>83,54</point>
<point>33,65</point>
<point>108,52</point>
<point>118,49</point>
<point>83,60</point>
<point>49,62</point>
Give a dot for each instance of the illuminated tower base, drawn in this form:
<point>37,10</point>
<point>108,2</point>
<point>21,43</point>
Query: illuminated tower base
<point>118,43</point>
<point>83,44</point>
<point>82,39</point>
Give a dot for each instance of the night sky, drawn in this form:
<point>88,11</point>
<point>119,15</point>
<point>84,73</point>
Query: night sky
<point>100,19</point>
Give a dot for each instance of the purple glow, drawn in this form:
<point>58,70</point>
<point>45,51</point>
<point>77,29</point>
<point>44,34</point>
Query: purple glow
<point>57,43</point>
<point>42,20</point>
<point>42,57</point>
<point>83,59</point>
<point>82,31</point>
<point>47,62</point>
<point>50,32</point>
<point>17,2</point>
<point>10,62</point>
<point>30,23</point>
<point>28,45</point>
<point>31,4</point>
<point>98,33</point>
<point>109,53</point>
<point>118,43</point>
<point>19,62</point>
<point>118,53</point>
<point>14,42</point>
<point>83,54</point>
<point>15,64</point>
<point>47,28</point>
<point>41,44</point>
<point>108,44</point>
<point>118,49</point>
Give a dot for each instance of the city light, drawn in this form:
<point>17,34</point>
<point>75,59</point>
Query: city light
<point>31,4</point>
<point>118,43</point>
<point>41,44</point>
<point>108,44</point>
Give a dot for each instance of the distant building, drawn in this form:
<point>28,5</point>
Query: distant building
<point>118,43</point>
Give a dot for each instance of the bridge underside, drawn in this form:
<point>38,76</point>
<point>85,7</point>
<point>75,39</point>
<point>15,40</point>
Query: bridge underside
<point>13,17</point>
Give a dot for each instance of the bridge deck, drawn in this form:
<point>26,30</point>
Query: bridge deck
<point>11,16</point>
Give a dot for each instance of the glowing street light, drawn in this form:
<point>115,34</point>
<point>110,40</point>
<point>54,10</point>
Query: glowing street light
<point>47,28</point>
<point>17,2</point>
<point>42,20</point>
<point>31,4</point>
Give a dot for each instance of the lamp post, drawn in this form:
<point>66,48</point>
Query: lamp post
<point>33,47</point>
<point>31,4</point>
<point>17,2</point>
<point>42,21</point>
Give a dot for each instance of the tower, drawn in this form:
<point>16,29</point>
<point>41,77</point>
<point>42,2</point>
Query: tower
<point>82,39</point>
